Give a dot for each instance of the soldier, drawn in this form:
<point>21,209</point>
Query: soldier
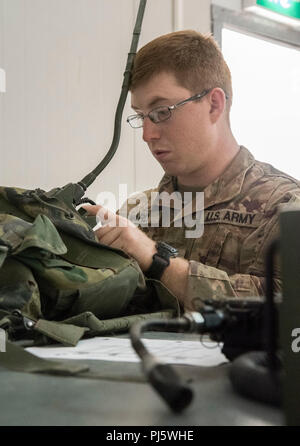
<point>181,93</point>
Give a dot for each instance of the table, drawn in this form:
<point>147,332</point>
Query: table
<point>116,394</point>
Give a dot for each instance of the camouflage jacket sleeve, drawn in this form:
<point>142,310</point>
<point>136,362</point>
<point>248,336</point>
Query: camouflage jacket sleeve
<point>207,282</point>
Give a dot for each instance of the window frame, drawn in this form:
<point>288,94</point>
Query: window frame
<point>250,23</point>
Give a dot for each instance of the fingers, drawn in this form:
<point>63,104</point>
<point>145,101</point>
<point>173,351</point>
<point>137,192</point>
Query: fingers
<point>103,215</point>
<point>111,229</point>
<point>108,236</point>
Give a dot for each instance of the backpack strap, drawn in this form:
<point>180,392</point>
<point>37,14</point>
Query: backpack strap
<point>67,334</point>
<point>17,359</point>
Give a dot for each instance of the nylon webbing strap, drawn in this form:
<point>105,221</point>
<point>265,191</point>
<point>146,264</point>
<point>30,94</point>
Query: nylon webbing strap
<point>66,334</point>
<point>17,359</point>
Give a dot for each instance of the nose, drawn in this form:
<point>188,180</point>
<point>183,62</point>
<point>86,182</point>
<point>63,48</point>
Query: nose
<point>151,131</point>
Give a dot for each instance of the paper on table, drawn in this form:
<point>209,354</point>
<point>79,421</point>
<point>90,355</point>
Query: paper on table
<point>119,349</point>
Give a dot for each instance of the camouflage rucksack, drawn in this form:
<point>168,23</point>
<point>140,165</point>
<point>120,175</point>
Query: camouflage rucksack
<point>53,269</point>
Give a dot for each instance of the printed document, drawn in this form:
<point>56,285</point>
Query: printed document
<point>120,349</point>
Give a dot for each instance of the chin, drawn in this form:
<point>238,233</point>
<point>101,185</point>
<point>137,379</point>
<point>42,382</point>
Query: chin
<point>172,172</point>
<point>169,171</point>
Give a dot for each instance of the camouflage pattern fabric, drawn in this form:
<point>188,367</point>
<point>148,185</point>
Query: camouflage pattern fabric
<point>52,268</point>
<point>240,220</point>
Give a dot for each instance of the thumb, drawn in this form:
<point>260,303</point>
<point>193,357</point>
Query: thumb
<point>105,216</point>
<point>91,209</point>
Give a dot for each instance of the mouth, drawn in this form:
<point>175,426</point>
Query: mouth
<point>161,154</point>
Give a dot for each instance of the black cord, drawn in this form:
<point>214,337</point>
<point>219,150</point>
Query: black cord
<point>85,200</point>
<point>169,385</point>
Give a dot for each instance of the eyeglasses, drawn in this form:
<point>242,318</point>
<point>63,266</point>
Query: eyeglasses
<point>162,113</point>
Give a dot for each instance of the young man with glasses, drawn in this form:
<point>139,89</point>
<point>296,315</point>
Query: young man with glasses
<point>181,94</point>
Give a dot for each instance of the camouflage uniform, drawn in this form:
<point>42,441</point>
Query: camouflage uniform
<point>240,220</point>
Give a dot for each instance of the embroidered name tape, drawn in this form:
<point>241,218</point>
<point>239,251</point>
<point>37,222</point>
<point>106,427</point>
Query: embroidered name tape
<point>229,216</point>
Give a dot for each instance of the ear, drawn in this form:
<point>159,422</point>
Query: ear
<point>217,104</point>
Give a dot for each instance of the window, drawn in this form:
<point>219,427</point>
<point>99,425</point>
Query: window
<point>266,90</point>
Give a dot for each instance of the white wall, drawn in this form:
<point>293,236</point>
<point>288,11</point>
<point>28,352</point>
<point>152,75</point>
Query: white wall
<point>229,4</point>
<point>64,62</point>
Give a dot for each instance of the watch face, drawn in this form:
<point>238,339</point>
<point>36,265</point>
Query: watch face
<point>166,250</point>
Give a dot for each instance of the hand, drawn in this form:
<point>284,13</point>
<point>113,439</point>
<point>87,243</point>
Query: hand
<point>119,232</point>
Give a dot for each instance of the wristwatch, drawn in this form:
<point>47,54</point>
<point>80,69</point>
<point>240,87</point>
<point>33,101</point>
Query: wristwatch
<point>161,260</point>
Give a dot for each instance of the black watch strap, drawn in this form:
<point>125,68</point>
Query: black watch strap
<point>161,260</point>
<point>159,264</point>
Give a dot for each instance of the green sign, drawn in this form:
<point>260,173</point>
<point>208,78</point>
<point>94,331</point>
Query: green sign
<point>290,8</point>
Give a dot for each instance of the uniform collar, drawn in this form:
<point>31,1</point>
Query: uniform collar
<point>226,186</point>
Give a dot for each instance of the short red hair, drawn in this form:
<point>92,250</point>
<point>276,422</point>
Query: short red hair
<point>195,60</point>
